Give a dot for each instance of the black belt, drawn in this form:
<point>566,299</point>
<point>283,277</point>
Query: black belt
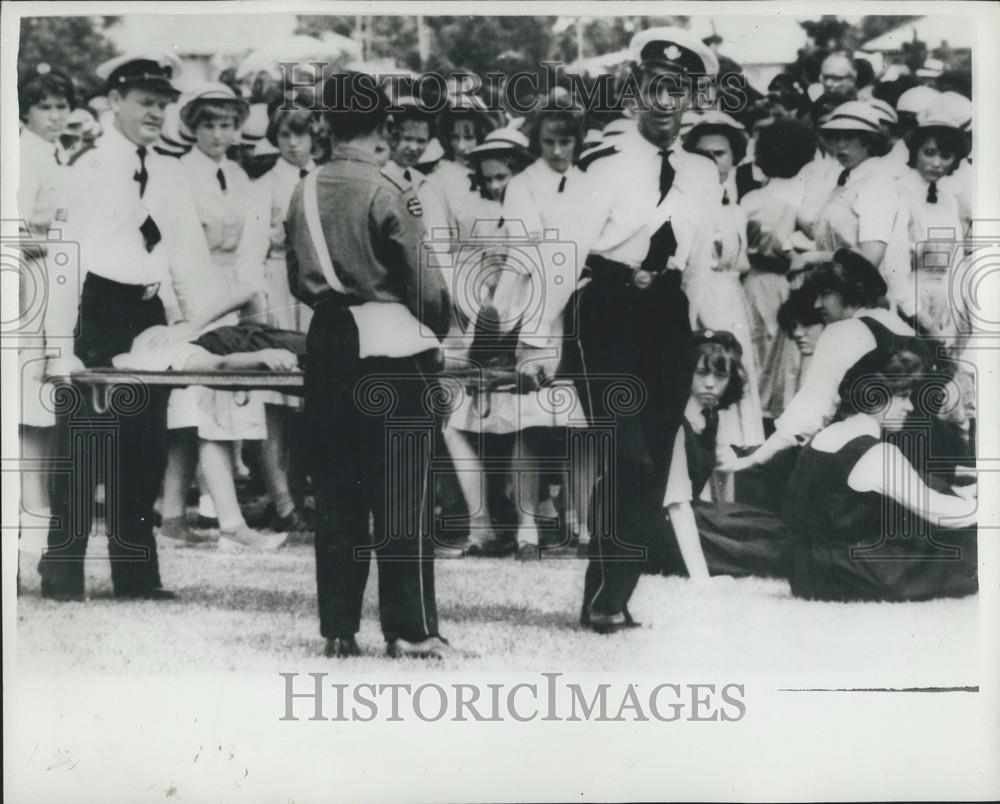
<point>604,270</point>
<point>109,287</point>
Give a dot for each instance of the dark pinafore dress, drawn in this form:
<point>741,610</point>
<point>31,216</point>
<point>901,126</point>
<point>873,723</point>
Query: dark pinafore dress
<point>850,545</point>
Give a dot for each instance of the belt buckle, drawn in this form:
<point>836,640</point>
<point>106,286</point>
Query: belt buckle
<point>642,278</point>
<point>149,291</point>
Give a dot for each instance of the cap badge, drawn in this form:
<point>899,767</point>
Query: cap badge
<point>672,52</point>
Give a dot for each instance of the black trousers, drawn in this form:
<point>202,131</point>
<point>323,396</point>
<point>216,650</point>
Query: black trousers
<point>371,427</point>
<point>125,446</point>
<point>632,345</point>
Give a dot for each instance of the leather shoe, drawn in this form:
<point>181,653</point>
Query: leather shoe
<point>147,594</point>
<point>528,552</point>
<point>62,594</point>
<point>341,648</point>
<point>430,648</point>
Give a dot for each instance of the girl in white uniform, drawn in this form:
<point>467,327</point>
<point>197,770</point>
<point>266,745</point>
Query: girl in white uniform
<point>45,98</point>
<point>480,260</point>
<point>542,209</point>
<point>207,422</point>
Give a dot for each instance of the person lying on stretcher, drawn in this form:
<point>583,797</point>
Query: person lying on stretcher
<point>244,346</point>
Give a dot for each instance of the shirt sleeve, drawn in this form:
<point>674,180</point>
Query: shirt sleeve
<point>678,481</point>
<point>399,230</point>
<point>839,347</point>
<point>876,206</point>
<point>885,470</point>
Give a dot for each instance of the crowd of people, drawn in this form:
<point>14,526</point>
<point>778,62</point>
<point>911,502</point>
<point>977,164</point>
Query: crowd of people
<point>754,308</point>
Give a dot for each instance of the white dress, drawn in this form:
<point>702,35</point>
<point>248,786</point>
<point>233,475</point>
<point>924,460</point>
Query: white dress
<point>38,196</point>
<point>224,216</point>
<point>717,301</point>
<point>771,217</point>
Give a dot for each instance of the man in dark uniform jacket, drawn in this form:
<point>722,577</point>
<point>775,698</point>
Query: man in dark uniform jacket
<point>652,208</point>
<point>354,256</point>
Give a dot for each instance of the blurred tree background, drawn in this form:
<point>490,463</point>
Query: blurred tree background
<point>75,45</point>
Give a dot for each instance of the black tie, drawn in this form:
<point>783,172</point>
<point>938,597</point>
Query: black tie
<point>562,184</point>
<point>725,198</point>
<point>473,184</point>
<point>662,246</point>
<point>303,173</point>
<point>141,175</point>
<point>932,193</point>
<point>406,175</point>
<point>222,179</point>
<point>666,175</point>
<point>842,179</point>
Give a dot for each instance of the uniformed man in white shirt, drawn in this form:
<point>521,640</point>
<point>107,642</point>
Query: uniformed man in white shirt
<point>129,210</point>
<point>652,212</point>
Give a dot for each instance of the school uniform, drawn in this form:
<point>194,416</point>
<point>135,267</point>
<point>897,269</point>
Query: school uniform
<point>719,302</point>
<point>771,212</point>
<point>224,206</point>
<point>840,346</point>
<point>933,214</point>
<point>132,214</point>
<point>865,206</point>
<point>646,225</point>
<point>354,238</point>
<point>854,539</point>
<point>736,539</point>
<point>272,193</point>
<point>38,196</point>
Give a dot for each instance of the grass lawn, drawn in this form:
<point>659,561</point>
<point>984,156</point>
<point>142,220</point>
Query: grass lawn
<point>257,613</point>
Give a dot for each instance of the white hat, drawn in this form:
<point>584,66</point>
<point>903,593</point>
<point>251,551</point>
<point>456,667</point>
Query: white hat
<point>885,111</point>
<point>255,126</point>
<point>502,140</point>
<point>937,117</point>
<point>674,48</point>
<point>854,116</point>
<point>214,92</point>
<point>432,153</point>
<point>713,117</point>
<point>958,106</point>
<point>932,69</point>
<point>176,139</point>
<point>592,137</point>
<point>917,99</point>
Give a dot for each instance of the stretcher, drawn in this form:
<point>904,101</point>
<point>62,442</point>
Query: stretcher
<point>477,381</point>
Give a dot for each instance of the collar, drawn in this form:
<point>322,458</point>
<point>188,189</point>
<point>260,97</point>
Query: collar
<point>353,153</point>
<point>871,166</point>
<point>204,162</point>
<point>546,175</point>
<point>284,166</point>
<point>632,138</point>
<point>37,142</point>
<point>117,143</point>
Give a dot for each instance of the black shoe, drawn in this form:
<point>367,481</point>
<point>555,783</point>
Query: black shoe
<point>56,586</point>
<point>341,648</point>
<point>495,548</point>
<point>262,518</point>
<point>430,648</point>
<point>606,623</point>
<point>146,594</point>
<point>293,522</point>
<point>62,594</point>
<point>206,522</point>
<point>528,552</point>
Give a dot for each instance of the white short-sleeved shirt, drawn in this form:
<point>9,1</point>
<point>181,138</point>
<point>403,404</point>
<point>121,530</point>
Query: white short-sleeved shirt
<point>622,197</point>
<point>839,347</point>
